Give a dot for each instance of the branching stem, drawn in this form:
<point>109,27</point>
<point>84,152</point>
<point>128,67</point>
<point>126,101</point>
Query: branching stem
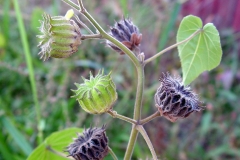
<point>139,67</point>
<point>107,36</point>
<point>102,32</point>
<point>72,4</point>
<point>151,117</point>
<point>81,6</point>
<point>112,154</point>
<point>131,143</point>
<point>91,36</point>
<point>148,141</point>
<point>171,47</point>
<point>83,25</point>
<point>114,114</point>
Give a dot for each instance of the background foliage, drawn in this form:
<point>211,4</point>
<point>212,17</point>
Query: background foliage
<point>212,134</point>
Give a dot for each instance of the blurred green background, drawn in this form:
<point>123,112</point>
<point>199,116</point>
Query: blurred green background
<point>211,134</point>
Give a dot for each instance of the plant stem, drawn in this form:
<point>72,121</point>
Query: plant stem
<point>139,94</point>
<point>140,74</point>
<point>137,111</point>
<point>72,4</point>
<point>91,36</point>
<point>112,153</point>
<point>58,153</point>
<point>148,141</point>
<point>171,47</point>
<point>102,32</point>
<point>30,67</point>
<point>81,6</point>
<point>107,36</point>
<point>140,77</point>
<point>131,143</point>
<point>114,114</point>
<point>83,25</point>
<point>121,46</point>
<point>151,117</point>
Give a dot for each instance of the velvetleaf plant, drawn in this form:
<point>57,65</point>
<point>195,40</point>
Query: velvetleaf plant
<point>199,50</point>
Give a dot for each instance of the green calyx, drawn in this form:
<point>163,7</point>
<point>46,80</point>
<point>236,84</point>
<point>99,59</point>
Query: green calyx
<point>97,94</point>
<point>60,37</point>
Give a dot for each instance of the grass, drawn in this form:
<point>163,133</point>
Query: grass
<point>28,57</point>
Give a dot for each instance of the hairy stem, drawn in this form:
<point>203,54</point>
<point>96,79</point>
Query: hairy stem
<point>171,47</point>
<point>91,36</point>
<point>151,117</point>
<point>112,153</point>
<point>148,141</point>
<point>114,114</point>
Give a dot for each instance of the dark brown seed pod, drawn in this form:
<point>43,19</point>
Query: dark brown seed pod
<point>174,101</point>
<point>127,33</point>
<point>91,145</point>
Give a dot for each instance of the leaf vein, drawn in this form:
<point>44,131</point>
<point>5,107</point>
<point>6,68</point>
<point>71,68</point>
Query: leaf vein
<point>191,63</point>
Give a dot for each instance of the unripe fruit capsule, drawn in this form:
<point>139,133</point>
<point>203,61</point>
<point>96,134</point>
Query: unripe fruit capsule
<point>97,94</point>
<point>60,37</point>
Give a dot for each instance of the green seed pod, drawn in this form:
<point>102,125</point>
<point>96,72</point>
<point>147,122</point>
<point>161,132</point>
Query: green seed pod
<point>97,94</point>
<point>60,37</point>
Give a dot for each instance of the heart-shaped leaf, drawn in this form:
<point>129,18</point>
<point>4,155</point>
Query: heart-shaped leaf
<point>201,53</point>
<point>56,142</point>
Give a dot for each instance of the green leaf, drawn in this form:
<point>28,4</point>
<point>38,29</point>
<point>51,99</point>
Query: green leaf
<point>2,40</point>
<point>17,136</point>
<point>201,53</point>
<point>57,141</point>
<point>5,151</point>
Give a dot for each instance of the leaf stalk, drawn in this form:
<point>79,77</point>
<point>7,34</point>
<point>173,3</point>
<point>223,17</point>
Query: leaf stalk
<point>172,46</point>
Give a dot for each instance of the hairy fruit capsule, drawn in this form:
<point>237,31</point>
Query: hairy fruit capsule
<point>127,33</point>
<point>91,145</point>
<point>60,37</point>
<point>174,101</point>
<point>97,94</point>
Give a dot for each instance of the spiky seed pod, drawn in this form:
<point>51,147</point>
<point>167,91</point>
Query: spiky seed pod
<point>60,37</point>
<point>97,94</point>
<point>127,33</point>
<point>91,145</point>
<point>174,101</point>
